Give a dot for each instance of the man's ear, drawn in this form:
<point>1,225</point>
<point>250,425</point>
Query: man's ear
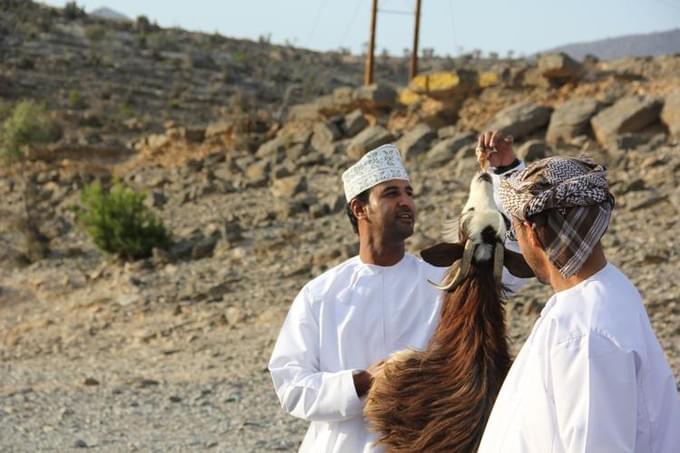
<point>358,208</point>
<point>532,235</point>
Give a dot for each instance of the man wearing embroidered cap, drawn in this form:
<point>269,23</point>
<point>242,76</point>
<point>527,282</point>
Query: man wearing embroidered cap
<point>345,322</point>
<point>592,376</point>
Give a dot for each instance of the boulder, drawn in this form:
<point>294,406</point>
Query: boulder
<point>355,122</point>
<point>532,150</point>
<point>670,115</point>
<point>521,119</point>
<point>448,149</point>
<point>440,112</point>
<point>289,187</point>
<point>447,132</point>
<point>445,84</point>
<point>324,135</point>
<point>257,173</point>
<point>367,140</point>
<point>409,97</point>
<point>303,112</point>
<point>629,114</point>
<point>416,141</point>
<point>376,97</point>
<point>344,99</point>
<point>559,67</point>
<point>488,79</point>
<point>570,120</point>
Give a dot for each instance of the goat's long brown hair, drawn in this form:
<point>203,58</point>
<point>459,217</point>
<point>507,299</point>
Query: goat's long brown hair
<point>439,400</point>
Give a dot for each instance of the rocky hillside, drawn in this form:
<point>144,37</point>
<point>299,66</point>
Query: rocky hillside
<point>641,45</point>
<point>169,353</point>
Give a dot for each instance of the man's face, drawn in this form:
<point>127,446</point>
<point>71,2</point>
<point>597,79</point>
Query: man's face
<point>531,250</point>
<point>391,211</point>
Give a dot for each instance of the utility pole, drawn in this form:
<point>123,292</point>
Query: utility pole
<point>368,73</point>
<point>414,55</point>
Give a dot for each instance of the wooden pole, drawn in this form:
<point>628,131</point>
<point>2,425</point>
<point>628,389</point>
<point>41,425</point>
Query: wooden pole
<point>368,73</point>
<point>414,55</point>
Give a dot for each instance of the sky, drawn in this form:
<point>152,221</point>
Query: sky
<point>450,27</point>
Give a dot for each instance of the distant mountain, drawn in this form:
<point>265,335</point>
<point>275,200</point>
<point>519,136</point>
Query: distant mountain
<point>108,13</point>
<point>651,44</point>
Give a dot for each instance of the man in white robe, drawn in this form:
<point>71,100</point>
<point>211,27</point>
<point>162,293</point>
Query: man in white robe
<point>346,321</point>
<point>592,376</point>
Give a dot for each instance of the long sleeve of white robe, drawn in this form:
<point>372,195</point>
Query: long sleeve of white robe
<point>305,391</point>
<point>595,394</point>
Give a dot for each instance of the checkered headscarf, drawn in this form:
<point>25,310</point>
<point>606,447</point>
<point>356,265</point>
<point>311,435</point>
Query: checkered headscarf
<point>575,195</point>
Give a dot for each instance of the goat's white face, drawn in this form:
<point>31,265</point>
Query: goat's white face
<point>479,214</point>
<point>481,229</point>
<point>481,235</point>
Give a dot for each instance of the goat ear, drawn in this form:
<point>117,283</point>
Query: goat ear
<point>443,254</point>
<point>516,264</point>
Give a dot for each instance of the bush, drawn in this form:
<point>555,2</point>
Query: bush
<point>95,32</point>
<point>72,11</point>
<point>75,99</point>
<point>27,125</point>
<point>119,223</point>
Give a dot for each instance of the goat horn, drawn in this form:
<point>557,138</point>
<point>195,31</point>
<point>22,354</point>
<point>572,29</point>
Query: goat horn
<point>498,262</point>
<point>462,270</point>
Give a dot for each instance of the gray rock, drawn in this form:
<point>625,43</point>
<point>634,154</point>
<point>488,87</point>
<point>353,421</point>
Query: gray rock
<point>447,132</point>
<point>532,150</point>
<point>570,120</point>
<point>377,96</point>
<point>355,122</point>
<point>289,187</point>
<point>629,114</point>
<point>367,140</point>
<point>296,152</point>
<point>521,119</point>
<point>447,150</point>
<point>309,111</point>
<point>319,210</point>
<point>324,135</point>
<point>271,147</point>
<point>234,315</point>
<point>335,202</point>
<point>193,134</point>
<point>219,128</point>
<point>257,174</point>
<point>232,231</point>
<point>203,248</point>
<point>155,199</point>
<point>559,67</point>
<point>670,114</point>
<point>417,141</point>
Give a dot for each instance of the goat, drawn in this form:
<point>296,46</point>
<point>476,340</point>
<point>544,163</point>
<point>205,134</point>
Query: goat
<point>439,399</point>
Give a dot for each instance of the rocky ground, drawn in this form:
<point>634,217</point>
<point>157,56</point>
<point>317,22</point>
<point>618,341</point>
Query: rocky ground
<point>169,353</point>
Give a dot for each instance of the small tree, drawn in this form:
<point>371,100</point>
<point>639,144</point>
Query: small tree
<point>72,11</point>
<point>27,125</point>
<point>118,221</point>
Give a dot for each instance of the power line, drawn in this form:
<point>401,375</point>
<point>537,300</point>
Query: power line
<point>453,24</point>
<point>343,41</point>
<point>316,20</point>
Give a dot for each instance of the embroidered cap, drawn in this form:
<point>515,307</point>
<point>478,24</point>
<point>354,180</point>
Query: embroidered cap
<point>376,166</point>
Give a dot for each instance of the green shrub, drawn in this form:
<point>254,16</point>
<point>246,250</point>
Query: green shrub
<point>27,125</point>
<point>119,223</point>
<point>95,32</point>
<point>72,11</point>
<point>75,99</point>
